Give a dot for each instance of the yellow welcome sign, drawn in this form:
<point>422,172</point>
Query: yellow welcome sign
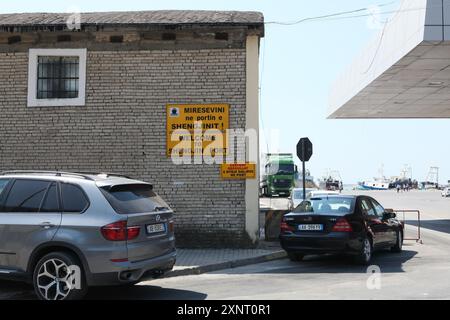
<point>197,129</point>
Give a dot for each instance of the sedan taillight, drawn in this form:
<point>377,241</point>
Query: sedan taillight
<point>119,231</point>
<point>342,225</point>
<point>285,227</point>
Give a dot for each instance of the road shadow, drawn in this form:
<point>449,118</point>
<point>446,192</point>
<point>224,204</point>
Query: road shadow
<point>337,264</point>
<point>142,292</point>
<point>436,225</point>
<point>12,290</point>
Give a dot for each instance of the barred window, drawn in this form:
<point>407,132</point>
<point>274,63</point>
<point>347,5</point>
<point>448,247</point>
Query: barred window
<point>58,77</point>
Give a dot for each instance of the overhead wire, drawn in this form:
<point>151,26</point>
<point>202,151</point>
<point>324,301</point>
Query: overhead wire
<point>327,16</point>
<point>349,14</point>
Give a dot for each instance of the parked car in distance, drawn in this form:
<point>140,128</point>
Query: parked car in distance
<point>352,225</point>
<point>296,196</point>
<point>323,193</point>
<point>446,192</point>
<point>65,232</point>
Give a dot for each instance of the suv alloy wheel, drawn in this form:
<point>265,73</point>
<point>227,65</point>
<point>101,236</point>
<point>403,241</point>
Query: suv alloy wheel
<point>54,280</point>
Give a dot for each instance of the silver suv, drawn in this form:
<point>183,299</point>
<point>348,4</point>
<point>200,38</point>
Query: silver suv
<point>65,232</point>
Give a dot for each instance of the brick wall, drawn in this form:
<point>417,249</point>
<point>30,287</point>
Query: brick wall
<point>122,129</point>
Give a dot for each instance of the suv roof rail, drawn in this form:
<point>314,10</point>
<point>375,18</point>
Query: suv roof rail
<point>107,174</point>
<point>56,173</point>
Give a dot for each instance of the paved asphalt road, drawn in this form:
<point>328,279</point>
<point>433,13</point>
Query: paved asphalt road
<point>422,271</point>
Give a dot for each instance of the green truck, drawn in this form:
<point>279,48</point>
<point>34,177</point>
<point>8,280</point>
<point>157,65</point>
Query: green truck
<point>278,175</point>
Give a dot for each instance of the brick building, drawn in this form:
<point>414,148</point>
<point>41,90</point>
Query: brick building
<point>94,98</point>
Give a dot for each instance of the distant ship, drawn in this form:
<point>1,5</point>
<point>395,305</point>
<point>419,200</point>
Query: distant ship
<point>331,181</point>
<point>380,183</point>
<point>376,184</point>
<point>404,179</point>
<point>432,180</point>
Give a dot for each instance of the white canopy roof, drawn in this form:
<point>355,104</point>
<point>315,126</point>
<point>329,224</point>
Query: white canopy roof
<point>404,72</point>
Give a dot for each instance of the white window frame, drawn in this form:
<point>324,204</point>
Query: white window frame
<point>33,56</point>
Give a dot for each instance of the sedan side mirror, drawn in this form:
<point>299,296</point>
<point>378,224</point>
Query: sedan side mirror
<point>390,214</point>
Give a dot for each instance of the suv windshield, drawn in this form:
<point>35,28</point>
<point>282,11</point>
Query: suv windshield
<point>326,205</point>
<point>133,198</point>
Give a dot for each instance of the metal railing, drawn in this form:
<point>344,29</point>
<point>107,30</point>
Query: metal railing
<point>417,212</point>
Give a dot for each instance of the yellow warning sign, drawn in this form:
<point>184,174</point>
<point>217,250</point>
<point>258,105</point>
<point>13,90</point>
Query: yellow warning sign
<point>238,171</point>
<point>197,129</point>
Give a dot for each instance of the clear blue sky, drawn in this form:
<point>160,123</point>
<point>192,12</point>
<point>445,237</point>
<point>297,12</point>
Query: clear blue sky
<point>300,64</point>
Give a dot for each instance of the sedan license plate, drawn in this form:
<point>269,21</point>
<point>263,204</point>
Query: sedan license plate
<point>310,227</point>
<point>156,228</point>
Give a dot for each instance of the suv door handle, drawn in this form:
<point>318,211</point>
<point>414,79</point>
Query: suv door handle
<point>47,225</point>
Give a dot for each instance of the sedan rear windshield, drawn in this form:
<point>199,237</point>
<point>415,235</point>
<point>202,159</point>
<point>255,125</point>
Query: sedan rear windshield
<point>133,198</point>
<point>339,206</point>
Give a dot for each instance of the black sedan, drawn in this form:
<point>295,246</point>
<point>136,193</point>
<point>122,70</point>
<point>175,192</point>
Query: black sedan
<point>353,225</point>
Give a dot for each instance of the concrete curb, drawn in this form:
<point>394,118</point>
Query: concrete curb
<point>277,255</point>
